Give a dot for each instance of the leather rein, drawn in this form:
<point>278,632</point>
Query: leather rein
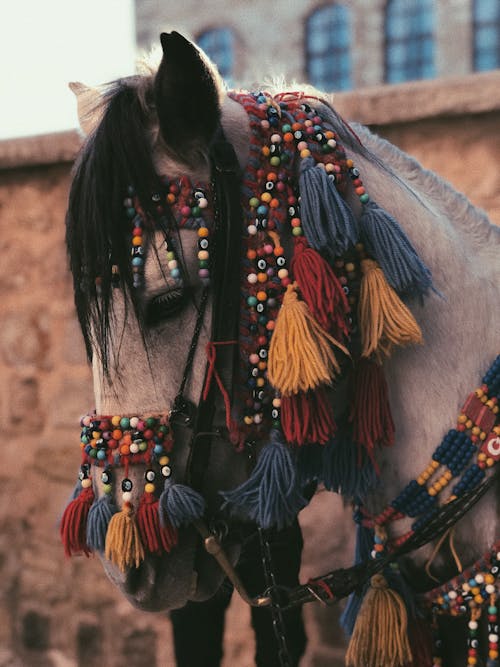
<point>337,584</point>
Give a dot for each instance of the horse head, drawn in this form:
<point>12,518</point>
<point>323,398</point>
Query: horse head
<point>328,285</point>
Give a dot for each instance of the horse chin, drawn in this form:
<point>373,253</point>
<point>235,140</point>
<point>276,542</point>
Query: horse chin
<point>166,582</point>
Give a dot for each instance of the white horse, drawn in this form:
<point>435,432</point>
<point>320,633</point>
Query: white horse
<point>164,123</point>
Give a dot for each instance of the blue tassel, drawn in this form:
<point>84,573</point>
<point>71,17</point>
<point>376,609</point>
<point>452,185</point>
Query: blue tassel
<point>309,464</point>
<point>351,611</point>
<point>328,222</point>
<point>364,545</point>
<point>180,504</point>
<point>343,471</point>
<point>76,490</point>
<point>271,495</point>
<point>399,584</point>
<point>386,241</point>
<point>98,520</point>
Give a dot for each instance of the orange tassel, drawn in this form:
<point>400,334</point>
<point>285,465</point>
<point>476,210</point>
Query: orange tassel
<point>123,542</point>
<point>384,319</point>
<point>380,637</point>
<point>301,355</point>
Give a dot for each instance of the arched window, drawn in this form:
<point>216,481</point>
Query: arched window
<point>328,48</point>
<point>486,35</point>
<point>218,44</point>
<point>409,40</point>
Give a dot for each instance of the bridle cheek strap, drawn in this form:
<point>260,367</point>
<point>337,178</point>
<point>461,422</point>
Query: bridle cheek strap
<point>222,350</point>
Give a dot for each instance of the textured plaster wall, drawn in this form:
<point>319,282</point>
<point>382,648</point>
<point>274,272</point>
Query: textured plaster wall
<point>59,613</point>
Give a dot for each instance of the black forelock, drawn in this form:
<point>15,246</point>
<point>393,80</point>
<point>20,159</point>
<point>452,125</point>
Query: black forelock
<point>116,156</point>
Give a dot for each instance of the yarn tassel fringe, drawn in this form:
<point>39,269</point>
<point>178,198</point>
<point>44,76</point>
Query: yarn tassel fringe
<point>345,469</point>
<point>123,541</point>
<point>327,220</point>
<point>271,495</point>
<point>301,355</point>
<point>383,609</point>
<point>307,418</point>
<point>384,319</point>
<point>73,527</point>
<point>371,417</point>
<point>100,515</point>
<point>385,240</point>
<point>157,537</point>
<point>309,464</point>
<point>180,504</point>
<point>321,290</point>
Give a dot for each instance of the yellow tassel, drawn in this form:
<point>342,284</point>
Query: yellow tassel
<point>301,356</point>
<point>384,319</point>
<point>380,637</point>
<point>123,542</point>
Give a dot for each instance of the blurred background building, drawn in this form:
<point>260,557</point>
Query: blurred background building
<point>421,73</point>
<point>336,46</point>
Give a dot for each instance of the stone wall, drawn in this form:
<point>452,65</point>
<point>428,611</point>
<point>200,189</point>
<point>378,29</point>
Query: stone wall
<point>60,613</point>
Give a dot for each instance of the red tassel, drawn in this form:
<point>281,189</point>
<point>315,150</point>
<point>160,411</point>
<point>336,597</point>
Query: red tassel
<point>321,290</point>
<point>307,418</point>
<point>73,528</point>
<point>421,643</point>
<point>371,412</point>
<point>155,537</point>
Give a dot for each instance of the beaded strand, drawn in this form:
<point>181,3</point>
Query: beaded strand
<point>477,435</point>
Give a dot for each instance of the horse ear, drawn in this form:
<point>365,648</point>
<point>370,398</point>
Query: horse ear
<point>89,107</point>
<point>186,94</point>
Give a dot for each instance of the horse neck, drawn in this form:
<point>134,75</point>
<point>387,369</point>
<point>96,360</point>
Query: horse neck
<point>428,384</point>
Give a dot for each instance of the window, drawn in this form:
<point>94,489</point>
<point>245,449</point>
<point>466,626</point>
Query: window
<point>409,40</point>
<point>486,35</point>
<point>328,48</point>
<point>218,44</point>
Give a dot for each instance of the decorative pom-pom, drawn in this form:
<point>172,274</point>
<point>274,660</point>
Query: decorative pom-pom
<point>270,496</point>
<point>385,240</point>
<point>301,355</point>
<point>155,536</point>
<point>98,521</point>
<point>123,541</point>
<point>320,289</point>
<point>371,412</point>
<point>383,609</point>
<point>73,527</point>
<point>307,418</point>
<point>180,504</point>
<point>327,220</point>
<point>384,319</point>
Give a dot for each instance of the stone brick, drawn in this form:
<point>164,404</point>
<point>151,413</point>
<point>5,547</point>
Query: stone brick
<point>8,659</point>
<point>140,648</point>
<point>89,641</point>
<point>35,633</point>
<point>23,339</point>
<point>24,404</point>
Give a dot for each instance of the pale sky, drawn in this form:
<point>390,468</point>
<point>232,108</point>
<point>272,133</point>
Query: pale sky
<point>44,44</point>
